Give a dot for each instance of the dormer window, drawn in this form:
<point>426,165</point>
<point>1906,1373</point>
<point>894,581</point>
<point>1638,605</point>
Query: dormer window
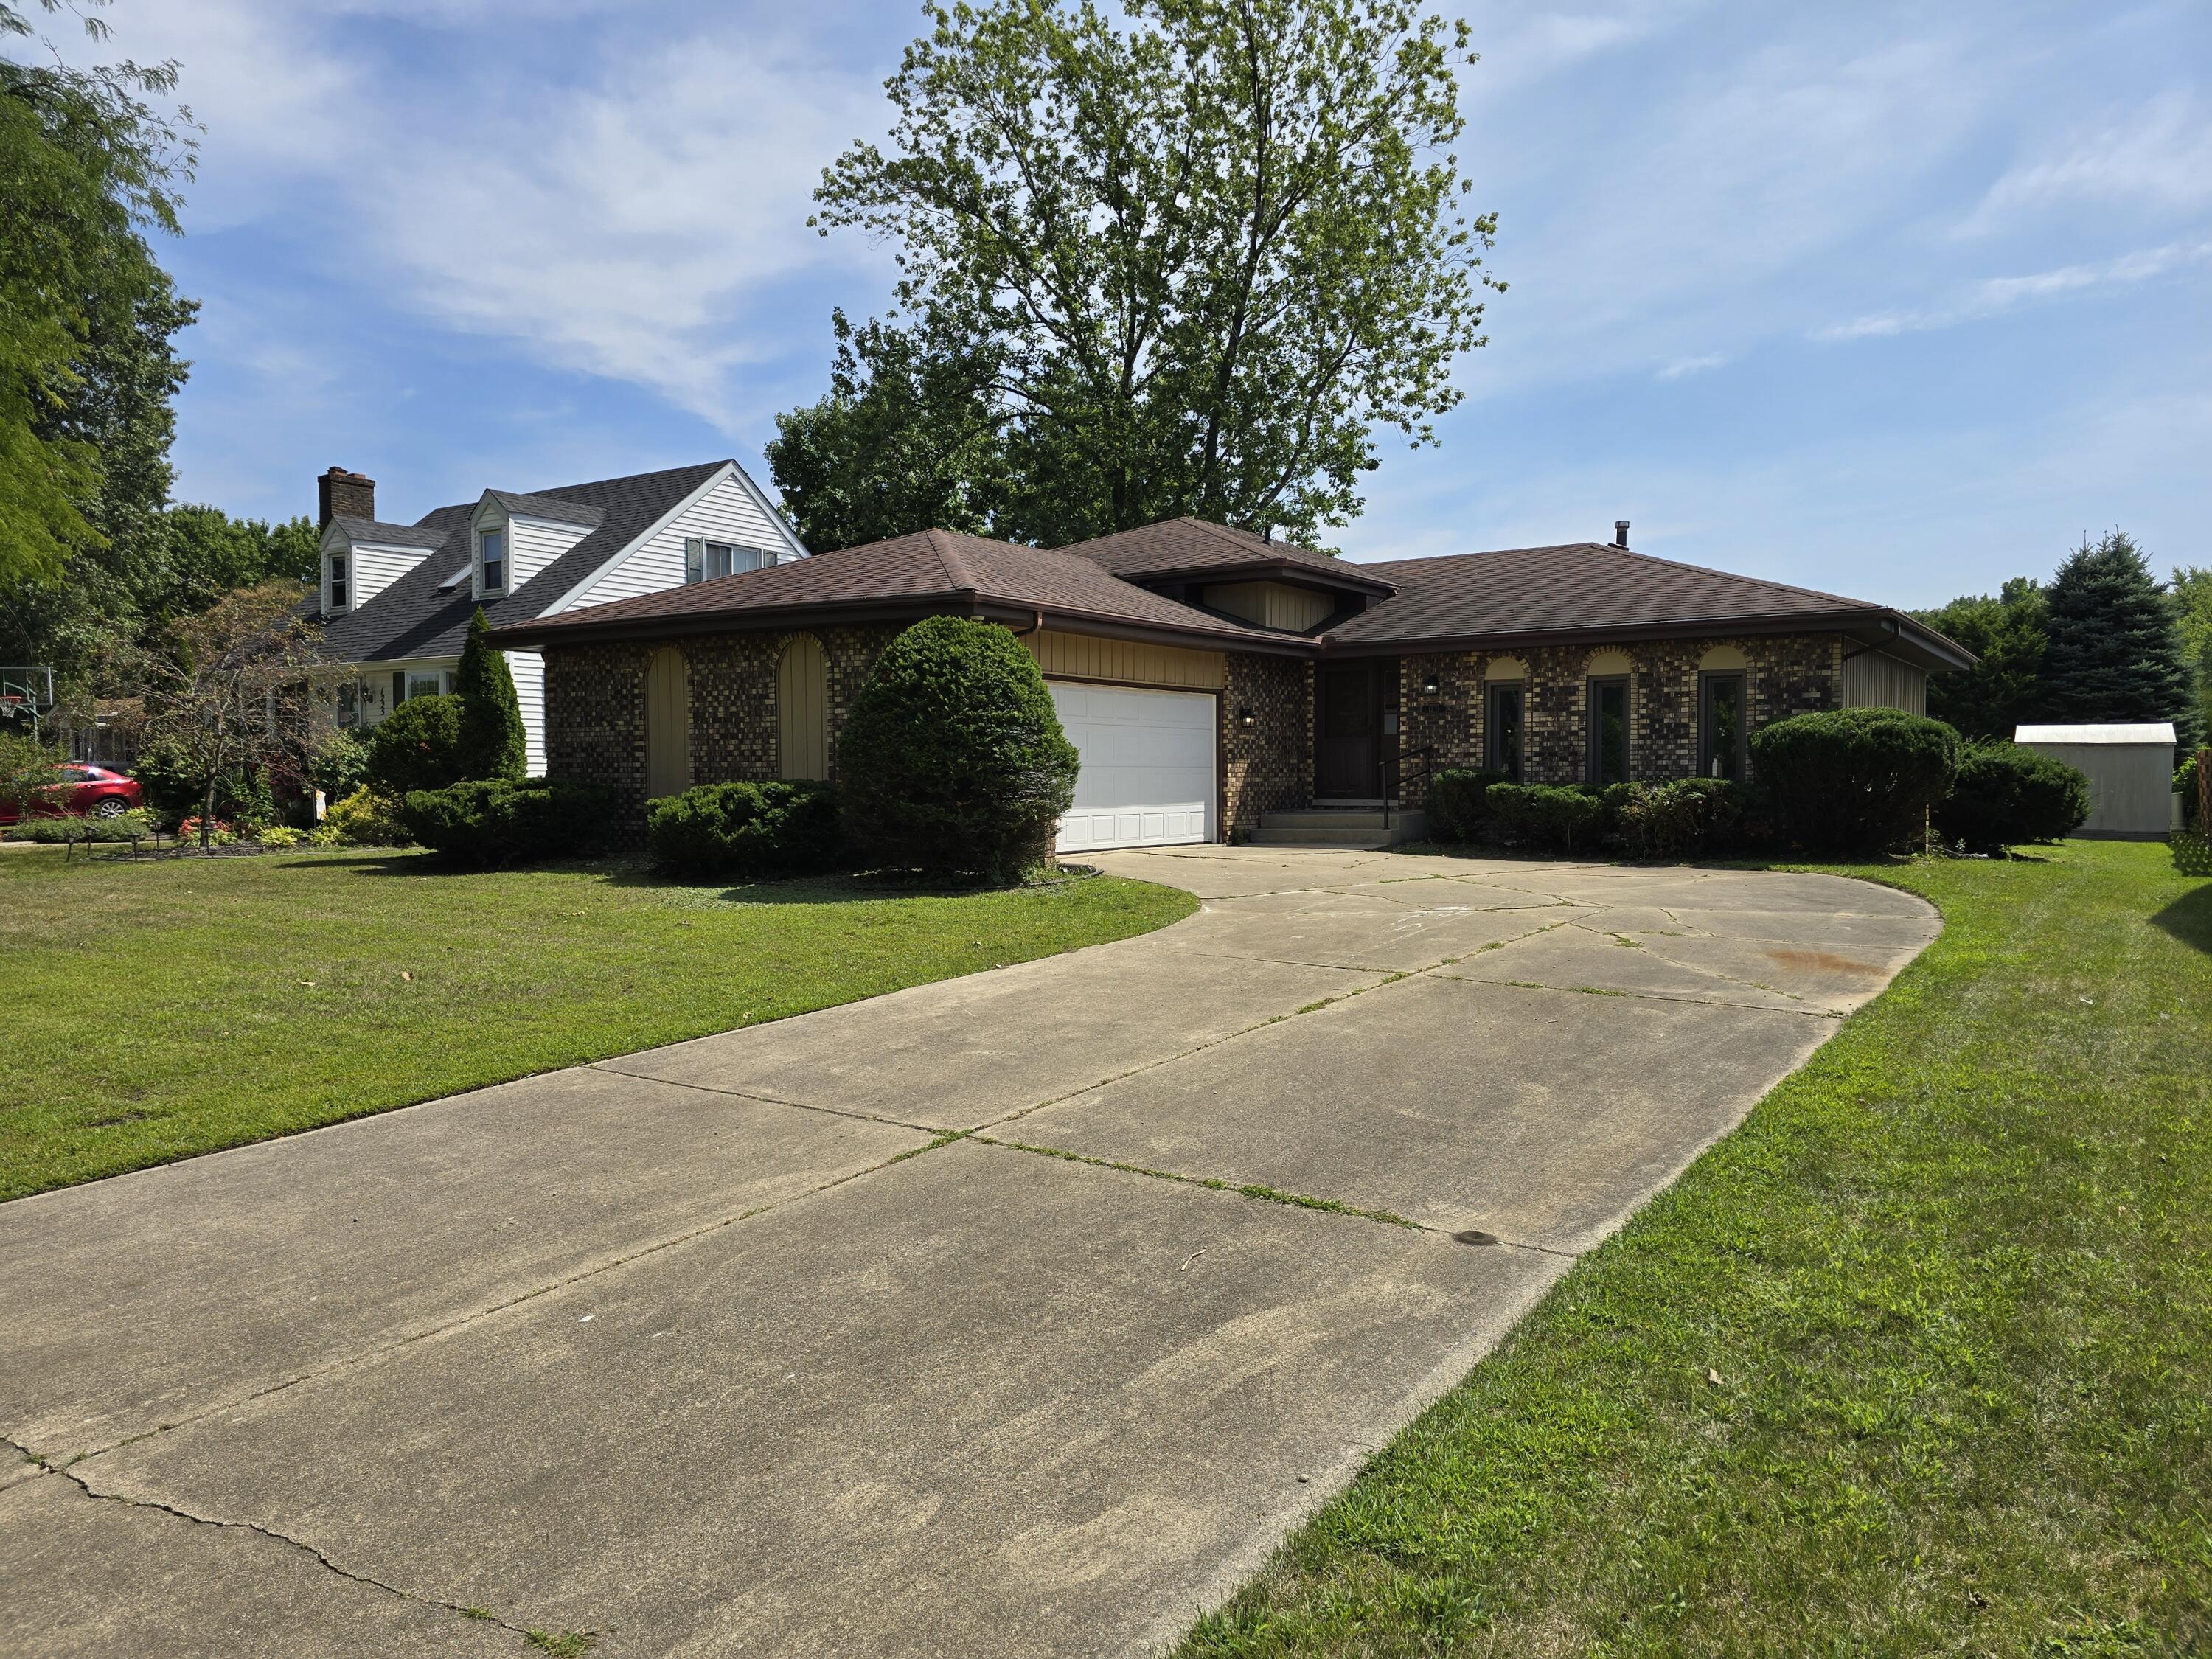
<point>491,560</point>
<point>338,581</point>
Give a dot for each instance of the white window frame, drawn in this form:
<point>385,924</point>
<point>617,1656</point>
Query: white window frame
<point>484,588</point>
<point>335,576</point>
<point>702,555</point>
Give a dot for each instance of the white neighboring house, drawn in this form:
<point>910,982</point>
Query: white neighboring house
<point>395,599</point>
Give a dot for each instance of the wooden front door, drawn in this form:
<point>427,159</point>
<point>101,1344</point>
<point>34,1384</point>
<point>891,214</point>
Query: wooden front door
<point>1348,728</point>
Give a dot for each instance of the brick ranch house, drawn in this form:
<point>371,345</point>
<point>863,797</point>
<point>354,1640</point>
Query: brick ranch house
<point>1211,679</point>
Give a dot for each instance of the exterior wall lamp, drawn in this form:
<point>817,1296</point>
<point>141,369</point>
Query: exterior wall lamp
<point>1431,686</point>
<point>1247,719</point>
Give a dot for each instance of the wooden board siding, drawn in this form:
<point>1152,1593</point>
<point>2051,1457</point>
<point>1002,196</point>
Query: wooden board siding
<point>1124,662</point>
<point>1272,605</point>
<point>667,724</point>
<point>1874,680</point>
<point>802,708</point>
<point>726,513</point>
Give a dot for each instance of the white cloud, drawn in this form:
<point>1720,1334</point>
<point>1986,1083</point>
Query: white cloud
<point>2156,155</point>
<point>1994,295</point>
<point>1683,368</point>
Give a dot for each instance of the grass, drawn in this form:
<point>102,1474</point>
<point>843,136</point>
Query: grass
<point>160,1008</point>
<point>1918,1361</point>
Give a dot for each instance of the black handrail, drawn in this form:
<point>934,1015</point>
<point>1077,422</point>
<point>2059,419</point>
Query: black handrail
<point>1382,776</point>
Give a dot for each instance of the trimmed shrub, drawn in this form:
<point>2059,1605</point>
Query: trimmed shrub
<point>1458,809</point>
<point>1856,780</point>
<point>416,746</point>
<point>365,818</point>
<point>122,827</point>
<point>1554,820</point>
<point>280,834</point>
<point>1687,817</point>
<point>2005,795</point>
<point>746,830</point>
<point>491,742</point>
<point>952,760</point>
<point>490,822</point>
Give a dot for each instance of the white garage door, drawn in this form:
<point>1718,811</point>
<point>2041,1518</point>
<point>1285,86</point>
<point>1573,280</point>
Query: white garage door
<point>1147,778</point>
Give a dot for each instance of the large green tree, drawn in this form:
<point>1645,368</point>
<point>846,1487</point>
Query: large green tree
<point>2115,646</point>
<point>491,743</point>
<point>2191,592</point>
<point>2010,633</point>
<point>1184,257</point>
<point>86,166</point>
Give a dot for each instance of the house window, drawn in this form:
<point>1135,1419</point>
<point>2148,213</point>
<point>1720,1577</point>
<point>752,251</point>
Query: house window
<point>703,560</point>
<point>425,685</point>
<point>1502,747</point>
<point>338,581</point>
<point>1723,737</point>
<point>491,554</point>
<point>1608,729</point>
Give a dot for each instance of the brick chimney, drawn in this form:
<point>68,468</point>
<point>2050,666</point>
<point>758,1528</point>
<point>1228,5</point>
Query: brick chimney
<point>342,494</point>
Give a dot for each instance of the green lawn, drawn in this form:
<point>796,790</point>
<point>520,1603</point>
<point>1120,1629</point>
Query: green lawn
<point>155,1009</point>
<point>1918,1361</point>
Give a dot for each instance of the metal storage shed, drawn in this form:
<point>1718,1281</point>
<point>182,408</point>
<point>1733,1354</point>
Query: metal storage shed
<point>2131,773</point>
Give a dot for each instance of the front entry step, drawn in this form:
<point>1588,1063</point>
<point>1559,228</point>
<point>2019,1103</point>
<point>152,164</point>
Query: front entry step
<point>1362,826</point>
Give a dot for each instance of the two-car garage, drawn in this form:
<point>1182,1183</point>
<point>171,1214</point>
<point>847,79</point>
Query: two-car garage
<point>1148,765</point>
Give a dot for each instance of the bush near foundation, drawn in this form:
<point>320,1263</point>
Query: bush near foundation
<point>491,822</point>
<point>2005,795</point>
<point>364,818</point>
<point>417,746</point>
<point>952,761</point>
<point>1552,820</point>
<point>1457,809</point>
<point>744,831</point>
<point>1856,780</point>
<point>1685,817</point>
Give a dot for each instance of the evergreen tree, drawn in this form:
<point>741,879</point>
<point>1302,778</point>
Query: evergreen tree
<point>491,745</point>
<point>2116,648</point>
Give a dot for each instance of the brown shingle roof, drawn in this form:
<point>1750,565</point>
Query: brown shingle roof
<point>1175,546</point>
<point>930,568</point>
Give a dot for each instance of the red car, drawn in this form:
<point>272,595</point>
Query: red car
<point>93,791</point>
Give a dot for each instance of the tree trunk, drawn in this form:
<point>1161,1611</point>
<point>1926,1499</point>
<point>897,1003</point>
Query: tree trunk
<point>207,813</point>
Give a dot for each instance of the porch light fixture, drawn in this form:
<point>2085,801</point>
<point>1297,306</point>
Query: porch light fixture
<point>1247,719</point>
<point>1431,686</point>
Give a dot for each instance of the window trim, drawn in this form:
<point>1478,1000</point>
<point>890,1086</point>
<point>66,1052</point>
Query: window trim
<point>1591,687</point>
<point>335,580</point>
<point>485,588</point>
<point>1708,677</point>
<point>1492,756</point>
<point>698,556</point>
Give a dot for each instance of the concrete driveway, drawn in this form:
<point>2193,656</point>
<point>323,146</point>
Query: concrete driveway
<point>731,1347</point>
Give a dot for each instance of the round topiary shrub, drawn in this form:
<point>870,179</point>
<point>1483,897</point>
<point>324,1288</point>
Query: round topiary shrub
<point>416,746</point>
<point>2005,795</point>
<point>1854,779</point>
<point>952,760</point>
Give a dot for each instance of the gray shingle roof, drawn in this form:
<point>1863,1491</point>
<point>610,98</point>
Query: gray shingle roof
<point>376,533</point>
<point>1180,546</point>
<point>411,618</point>
<point>548,507</point>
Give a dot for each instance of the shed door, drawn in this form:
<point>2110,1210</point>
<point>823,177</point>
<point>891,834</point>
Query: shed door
<point>667,724</point>
<point>802,707</point>
<point>1147,777</point>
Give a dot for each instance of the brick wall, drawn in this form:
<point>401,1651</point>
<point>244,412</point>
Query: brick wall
<point>1268,766</point>
<point>1791,674</point>
<point>595,706</point>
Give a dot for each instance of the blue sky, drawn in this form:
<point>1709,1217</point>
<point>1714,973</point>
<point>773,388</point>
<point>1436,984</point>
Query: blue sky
<point>1894,301</point>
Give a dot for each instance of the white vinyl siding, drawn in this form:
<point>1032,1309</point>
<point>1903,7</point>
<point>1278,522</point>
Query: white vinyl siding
<point>1874,680</point>
<point>528,671</point>
<point>376,569</point>
<point>534,543</point>
<point>726,513</point>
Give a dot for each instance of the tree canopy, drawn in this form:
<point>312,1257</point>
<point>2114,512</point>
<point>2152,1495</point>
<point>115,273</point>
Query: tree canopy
<point>2116,645</point>
<point>2010,633</point>
<point>86,168</point>
<point>1185,258</point>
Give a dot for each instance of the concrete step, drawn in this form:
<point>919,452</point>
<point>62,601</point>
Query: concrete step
<point>1326,817</point>
<point>1265,836</point>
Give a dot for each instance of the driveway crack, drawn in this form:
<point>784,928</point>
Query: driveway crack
<point>69,1474</point>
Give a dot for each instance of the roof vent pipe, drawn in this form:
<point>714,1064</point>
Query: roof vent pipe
<point>1621,532</point>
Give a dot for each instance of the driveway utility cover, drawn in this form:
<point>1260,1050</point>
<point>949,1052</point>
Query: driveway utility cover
<point>721,1350</point>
